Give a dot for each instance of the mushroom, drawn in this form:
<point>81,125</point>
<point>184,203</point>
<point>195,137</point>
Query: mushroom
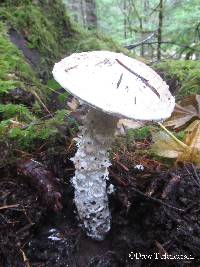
<point>114,86</point>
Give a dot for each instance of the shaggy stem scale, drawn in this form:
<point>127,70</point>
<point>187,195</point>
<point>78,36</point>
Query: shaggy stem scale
<point>91,172</point>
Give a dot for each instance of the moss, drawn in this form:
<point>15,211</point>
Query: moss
<point>28,20</point>
<point>53,84</point>
<point>186,72</point>
<point>140,133</point>
<point>14,71</point>
<point>47,27</point>
<point>20,112</point>
<point>83,40</point>
<point>32,134</point>
<point>20,125</point>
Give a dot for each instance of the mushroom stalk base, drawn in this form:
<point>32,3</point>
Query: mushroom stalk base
<point>91,172</point>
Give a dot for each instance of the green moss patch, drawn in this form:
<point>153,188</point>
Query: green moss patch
<point>22,127</point>
<point>46,27</point>
<point>14,71</point>
<point>186,72</point>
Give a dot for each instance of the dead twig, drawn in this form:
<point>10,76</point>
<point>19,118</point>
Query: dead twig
<point>25,259</point>
<point>172,184</point>
<point>25,213</point>
<point>9,206</point>
<point>144,80</point>
<point>117,178</point>
<point>41,102</point>
<point>156,200</point>
<point>191,175</point>
<point>161,249</point>
<point>26,227</point>
<point>196,174</point>
<point>122,165</point>
<point>5,220</point>
<point>132,46</point>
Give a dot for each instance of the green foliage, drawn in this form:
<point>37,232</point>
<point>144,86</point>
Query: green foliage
<point>118,16</point>
<point>27,136</point>
<point>140,133</point>
<point>6,86</point>
<point>180,135</point>
<point>53,84</point>
<point>186,72</point>
<point>185,16</point>
<point>129,22</point>
<point>40,32</point>
<point>84,40</point>
<point>47,28</point>
<point>15,111</point>
<point>62,97</point>
<point>19,125</point>
<point>41,23</point>
<point>14,72</point>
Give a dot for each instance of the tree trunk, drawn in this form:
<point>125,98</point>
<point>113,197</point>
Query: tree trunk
<point>125,18</point>
<point>84,12</point>
<point>76,8</point>
<point>142,36</point>
<point>145,21</point>
<point>90,9</point>
<point>160,25</point>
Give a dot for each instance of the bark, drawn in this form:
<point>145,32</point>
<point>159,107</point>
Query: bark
<point>76,7</point>
<point>91,18</point>
<point>143,35</point>
<point>140,20</point>
<point>125,18</point>
<point>43,180</point>
<point>160,25</point>
<point>84,12</point>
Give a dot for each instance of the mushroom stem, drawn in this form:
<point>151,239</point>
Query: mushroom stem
<point>91,172</point>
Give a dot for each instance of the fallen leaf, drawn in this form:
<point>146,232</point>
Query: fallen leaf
<point>185,110</point>
<point>124,125</point>
<point>73,104</point>
<point>167,145</point>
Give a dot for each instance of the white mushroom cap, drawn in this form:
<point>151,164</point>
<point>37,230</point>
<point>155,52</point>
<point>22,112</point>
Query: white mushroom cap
<point>116,84</point>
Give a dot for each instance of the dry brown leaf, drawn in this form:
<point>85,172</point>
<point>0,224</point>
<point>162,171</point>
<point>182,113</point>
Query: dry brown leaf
<point>185,110</point>
<point>124,124</point>
<point>193,134</point>
<point>192,140</point>
<point>73,104</point>
<point>167,145</point>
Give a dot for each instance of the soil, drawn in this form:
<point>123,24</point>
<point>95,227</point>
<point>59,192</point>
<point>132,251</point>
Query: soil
<point>155,213</point>
<point>32,55</point>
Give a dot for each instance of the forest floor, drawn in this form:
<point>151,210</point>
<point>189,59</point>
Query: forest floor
<point>155,211</point>
<point>155,214</point>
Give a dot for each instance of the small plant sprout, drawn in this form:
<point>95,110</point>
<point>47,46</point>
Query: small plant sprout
<point>113,86</point>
